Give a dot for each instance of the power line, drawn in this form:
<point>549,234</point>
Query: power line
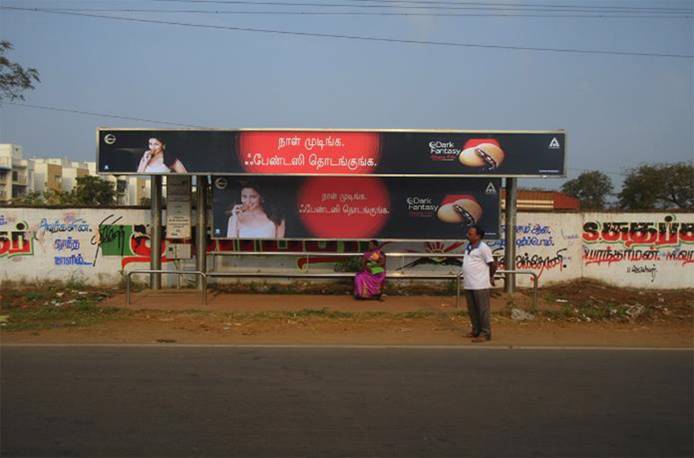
<point>513,5</point>
<point>534,6</point>
<point>364,13</point>
<point>354,37</point>
<point>429,5</point>
<point>446,5</point>
<point>103,115</point>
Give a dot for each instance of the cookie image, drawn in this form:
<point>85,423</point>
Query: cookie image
<point>463,210</point>
<point>487,154</point>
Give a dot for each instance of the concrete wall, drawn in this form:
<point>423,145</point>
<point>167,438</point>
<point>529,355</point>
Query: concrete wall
<point>647,250</point>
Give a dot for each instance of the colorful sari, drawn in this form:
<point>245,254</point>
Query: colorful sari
<point>368,283</point>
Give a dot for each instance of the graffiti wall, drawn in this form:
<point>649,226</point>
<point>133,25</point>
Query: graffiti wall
<point>546,243</point>
<point>84,245</point>
<point>653,250</point>
<point>649,250</point>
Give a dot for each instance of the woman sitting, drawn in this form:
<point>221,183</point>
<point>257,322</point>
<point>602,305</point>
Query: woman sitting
<point>369,281</point>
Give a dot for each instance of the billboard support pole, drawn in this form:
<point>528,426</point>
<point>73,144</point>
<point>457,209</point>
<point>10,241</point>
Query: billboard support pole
<point>155,239</point>
<point>201,230</point>
<point>510,233</point>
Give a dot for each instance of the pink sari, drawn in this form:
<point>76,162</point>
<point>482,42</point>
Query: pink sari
<point>368,284</point>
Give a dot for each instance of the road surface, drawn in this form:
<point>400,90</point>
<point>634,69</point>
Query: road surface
<point>318,402</point>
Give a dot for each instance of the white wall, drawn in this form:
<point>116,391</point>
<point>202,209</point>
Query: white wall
<point>67,244</point>
<point>647,250</point>
<point>52,244</point>
<point>39,175</point>
<point>548,244</point>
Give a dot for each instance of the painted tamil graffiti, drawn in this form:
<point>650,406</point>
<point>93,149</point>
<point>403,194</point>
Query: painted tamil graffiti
<point>668,232</point>
<point>648,241</point>
<point>16,239</point>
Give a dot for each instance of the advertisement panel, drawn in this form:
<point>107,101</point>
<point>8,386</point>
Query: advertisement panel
<point>353,208</point>
<point>332,152</point>
<point>178,207</point>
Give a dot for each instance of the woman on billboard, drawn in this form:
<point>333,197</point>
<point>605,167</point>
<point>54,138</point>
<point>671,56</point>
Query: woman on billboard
<point>369,281</point>
<point>253,218</point>
<point>155,159</point>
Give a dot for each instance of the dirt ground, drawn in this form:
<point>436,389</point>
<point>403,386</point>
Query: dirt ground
<point>191,329</point>
<point>585,314</point>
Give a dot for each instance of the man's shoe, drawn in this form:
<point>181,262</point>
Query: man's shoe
<point>471,335</point>
<point>480,339</point>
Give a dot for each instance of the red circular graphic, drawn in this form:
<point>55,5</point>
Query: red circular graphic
<point>314,152</point>
<point>347,208</point>
<point>471,143</point>
<point>450,198</point>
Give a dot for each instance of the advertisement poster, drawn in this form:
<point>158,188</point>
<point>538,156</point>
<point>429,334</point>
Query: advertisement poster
<point>178,207</point>
<point>353,208</point>
<point>332,153</point>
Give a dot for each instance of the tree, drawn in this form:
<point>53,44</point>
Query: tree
<point>13,77</point>
<point>91,190</point>
<point>48,197</point>
<point>591,188</point>
<point>30,199</point>
<point>658,186</point>
<point>53,197</point>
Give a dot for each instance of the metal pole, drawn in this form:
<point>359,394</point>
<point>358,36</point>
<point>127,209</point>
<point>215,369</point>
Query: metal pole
<point>155,239</point>
<point>510,249</point>
<point>457,294</point>
<point>127,289</point>
<point>201,231</point>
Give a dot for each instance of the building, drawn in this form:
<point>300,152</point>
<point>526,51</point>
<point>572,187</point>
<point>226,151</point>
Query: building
<point>71,171</point>
<point>19,176</point>
<point>542,200</point>
<point>47,175</point>
<point>137,190</point>
<point>14,172</point>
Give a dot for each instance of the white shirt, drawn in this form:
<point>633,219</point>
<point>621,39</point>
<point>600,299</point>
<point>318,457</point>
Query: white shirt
<point>264,231</point>
<point>157,168</point>
<point>475,266</point>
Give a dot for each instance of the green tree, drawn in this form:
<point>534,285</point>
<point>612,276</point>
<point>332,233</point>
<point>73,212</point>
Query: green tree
<point>14,79</point>
<point>658,186</point>
<point>30,199</point>
<point>48,197</point>
<point>91,190</point>
<point>591,188</point>
<point>52,197</point>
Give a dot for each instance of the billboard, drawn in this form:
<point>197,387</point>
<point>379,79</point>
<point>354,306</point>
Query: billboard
<point>353,208</point>
<point>332,152</point>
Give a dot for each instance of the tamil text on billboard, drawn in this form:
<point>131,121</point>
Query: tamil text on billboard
<point>343,208</point>
<point>323,152</point>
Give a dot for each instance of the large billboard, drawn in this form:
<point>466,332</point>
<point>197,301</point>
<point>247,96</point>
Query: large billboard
<point>332,152</point>
<point>353,208</point>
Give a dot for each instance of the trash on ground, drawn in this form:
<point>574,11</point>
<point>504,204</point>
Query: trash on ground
<point>521,315</point>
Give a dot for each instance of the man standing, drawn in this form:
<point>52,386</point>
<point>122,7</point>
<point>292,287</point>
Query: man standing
<point>478,277</point>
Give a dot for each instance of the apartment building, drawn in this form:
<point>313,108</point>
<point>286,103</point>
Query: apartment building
<point>19,176</point>
<point>14,172</point>
<point>47,174</point>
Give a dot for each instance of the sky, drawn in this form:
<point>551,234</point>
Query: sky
<point>619,110</point>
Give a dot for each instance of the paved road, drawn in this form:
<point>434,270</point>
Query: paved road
<point>181,401</point>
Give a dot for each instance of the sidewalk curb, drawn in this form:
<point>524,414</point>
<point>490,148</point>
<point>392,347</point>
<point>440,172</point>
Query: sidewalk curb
<point>347,346</point>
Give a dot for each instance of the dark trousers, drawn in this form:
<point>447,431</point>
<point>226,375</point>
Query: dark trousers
<point>479,310</point>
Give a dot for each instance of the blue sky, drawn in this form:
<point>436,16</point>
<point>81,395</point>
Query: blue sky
<point>619,110</point>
